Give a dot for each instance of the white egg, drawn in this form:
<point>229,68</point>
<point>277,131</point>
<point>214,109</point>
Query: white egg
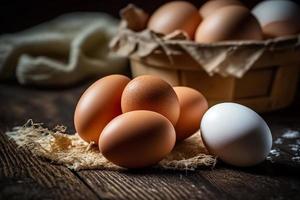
<point>236,134</point>
<point>278,17</point>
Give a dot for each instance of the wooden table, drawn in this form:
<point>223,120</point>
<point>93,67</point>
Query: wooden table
<point>23,176</point>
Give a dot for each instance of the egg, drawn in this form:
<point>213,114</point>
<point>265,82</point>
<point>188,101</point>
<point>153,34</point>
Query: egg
<point>236,134</point>
<point>151,93</point>
<point>229,23</point>
<point>176,15</point>
<point>278,18</point>
<point>98,105</point>
<point>211,6</point>
<point>192,107</point>
<point>137,139</point>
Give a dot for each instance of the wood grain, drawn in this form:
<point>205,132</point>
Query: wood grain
<point>23,176</point>
<point>27,177</point>
<point>149,184</point>
<point>248,185</point>
<point>48,106</point>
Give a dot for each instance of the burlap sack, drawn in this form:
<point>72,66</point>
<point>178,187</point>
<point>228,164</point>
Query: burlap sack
<point>69,150</point>
<point>63,51</point>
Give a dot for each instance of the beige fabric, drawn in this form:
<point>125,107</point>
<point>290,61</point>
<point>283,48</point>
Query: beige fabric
<point>69,150</point>
<point>61,52</point>
<point>230,58</point>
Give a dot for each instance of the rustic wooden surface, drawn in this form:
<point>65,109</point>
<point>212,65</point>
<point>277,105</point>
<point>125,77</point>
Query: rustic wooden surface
<point>23,176</point>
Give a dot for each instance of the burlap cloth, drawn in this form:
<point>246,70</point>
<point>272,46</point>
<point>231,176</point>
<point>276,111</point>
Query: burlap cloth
<point>60,52</point>
<point>69,150</point>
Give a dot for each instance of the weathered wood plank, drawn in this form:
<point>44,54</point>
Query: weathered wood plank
<point>51,107</point>
<point>243,184</point>
<point>149,184</point>
<point>268,180</point>
<point>24,176</point>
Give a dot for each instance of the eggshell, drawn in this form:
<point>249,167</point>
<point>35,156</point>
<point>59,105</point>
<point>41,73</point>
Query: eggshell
<point>176,15</point>
<point>137,139</point>
<point>278,18</point>
<point>229,23</point>
<point>151,93</point>
<point>236,134</point>
<point>211,6</point>
<point>192,107</point>
<point>99,104</point>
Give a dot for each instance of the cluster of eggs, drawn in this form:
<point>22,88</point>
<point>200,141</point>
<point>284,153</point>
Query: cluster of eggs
<point>220,20</point>
<point>137,122</point>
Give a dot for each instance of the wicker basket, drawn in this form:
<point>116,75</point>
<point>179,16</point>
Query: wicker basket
<point>270,84</point>
<point>260,74</point>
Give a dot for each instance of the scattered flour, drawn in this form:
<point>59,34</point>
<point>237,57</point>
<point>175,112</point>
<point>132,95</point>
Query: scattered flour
<point>290,134</point>
<point>294,147</point>
<point>278,141</point>
<point>296,159</point>
<point>275,152</point>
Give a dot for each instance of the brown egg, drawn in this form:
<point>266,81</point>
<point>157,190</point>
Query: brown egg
<point>211,6</point>
<point>137,139</point>
<point>193,105</point>
<point>151,93</point>
<point>229,23</point>
<point>176,15</point>
<point>99,104</point>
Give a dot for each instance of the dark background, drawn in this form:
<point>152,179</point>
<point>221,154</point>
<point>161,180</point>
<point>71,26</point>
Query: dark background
<point>16,15</point>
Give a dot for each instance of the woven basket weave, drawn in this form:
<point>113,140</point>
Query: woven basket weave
<point>262,75</point>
